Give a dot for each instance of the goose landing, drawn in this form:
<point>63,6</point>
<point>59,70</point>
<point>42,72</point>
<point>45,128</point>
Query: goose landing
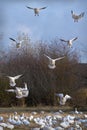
<point>20,92</point>
<point>51,64</point>
<point>69,42</point>
<point>36,10</point>
<point>77,17</point>
<point>18,43</point>
<point>63,98</point>
<point>12,80</point>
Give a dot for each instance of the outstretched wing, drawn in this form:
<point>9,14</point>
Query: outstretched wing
<point>9,77</point>
<point>13,39</point>
<point>59,95</point>
<point>25,85</point>
<point>29,7</point>
<point>74,38</point>
<point>18,76</point>
<point>67,96</point>
<point>71,12</point>
<point>42,8</point>
<point>63,40</point>
<point>10,90</point>
<point>59,58</point>
<point>48,57</point>
<point>81,15</point>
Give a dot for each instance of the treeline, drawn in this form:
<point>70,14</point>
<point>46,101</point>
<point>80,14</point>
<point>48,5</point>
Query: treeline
<point>43,82</point>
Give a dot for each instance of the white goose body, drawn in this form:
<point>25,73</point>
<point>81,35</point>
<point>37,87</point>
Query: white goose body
<point>65,124</point>
<point>52,62</point>
<point>63,98</point>
<point>18,43</point>
<point>20,92</point>
<point>69,42</point>
<point>12,80</point>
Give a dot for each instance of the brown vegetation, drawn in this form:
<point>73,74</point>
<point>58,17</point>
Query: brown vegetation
<point>43,82</point>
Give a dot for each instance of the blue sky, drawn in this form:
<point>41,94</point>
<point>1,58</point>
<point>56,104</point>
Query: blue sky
<point>54,21</point>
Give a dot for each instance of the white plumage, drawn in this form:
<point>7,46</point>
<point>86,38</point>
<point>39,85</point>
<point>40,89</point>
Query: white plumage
<point>18,43</point>
<point>20,92</point>
<point>51,64</point>
<point>69,42</point>
<point>12,80</point>
<point>63,98</point>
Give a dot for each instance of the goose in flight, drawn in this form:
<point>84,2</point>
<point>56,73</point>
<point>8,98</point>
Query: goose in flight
<point>12,80</point>
<point>20,92</point>
<point>51,64</point>
<point>25,91</point>
<point>36,10</point>
<point>62,98</point>
<point>69,42</point>
<point>18,43</point>
<point>77,17</point>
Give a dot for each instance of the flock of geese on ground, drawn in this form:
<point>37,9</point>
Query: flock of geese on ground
<point>59,120</point>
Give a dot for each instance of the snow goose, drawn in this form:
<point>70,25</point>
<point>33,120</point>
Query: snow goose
<point>51,64</point>
<point>3,124</point>
<point>25,90</point>
<point>63,98</point>
<point>65,124</point>
<point>17,91</point>
<point>77,17</point>
<point>12,80</point>
<point>59,128</point>
<point>22,116</point>
<point>76,111</point>
<point>10,126</point>
<point>77,126</point>
<point>16,116</point>
<point>31,118</point>
<point>25,121</point>
<point>85,115</point>
<point>69,42</point>
<point>18,43</point>
<point>69,119</point>
<point>20,92</point>
<point>36,10</point>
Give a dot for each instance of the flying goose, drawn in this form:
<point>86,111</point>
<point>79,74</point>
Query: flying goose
<point>51,64</point>
<point>63,98</point>
<point>69,42</point>
<point>25,91</point>
<point>12,80</point>
<point>36,10</point>
<point>20,92</point>
<point>18,43</point>
<point>77,17</point>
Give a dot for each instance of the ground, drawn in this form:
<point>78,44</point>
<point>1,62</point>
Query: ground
<point>41,111</point>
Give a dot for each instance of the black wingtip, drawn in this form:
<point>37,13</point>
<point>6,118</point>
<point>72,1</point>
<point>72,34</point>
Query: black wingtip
<point>71,12</point>
<point>12,39</point>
